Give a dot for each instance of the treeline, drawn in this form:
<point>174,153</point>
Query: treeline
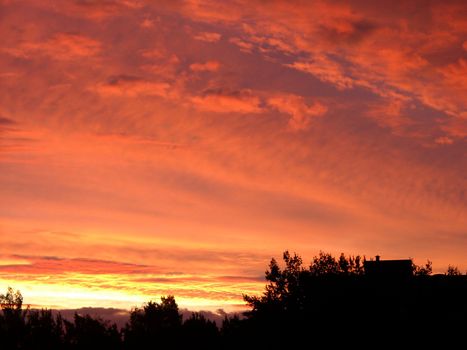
<point>154,324</point>
<point>331,300</point>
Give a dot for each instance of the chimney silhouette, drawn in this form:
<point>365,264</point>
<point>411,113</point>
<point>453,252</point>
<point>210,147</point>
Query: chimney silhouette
<point>377,257</point>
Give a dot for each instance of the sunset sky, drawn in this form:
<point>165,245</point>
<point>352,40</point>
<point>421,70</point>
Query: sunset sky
<point>173,147</point>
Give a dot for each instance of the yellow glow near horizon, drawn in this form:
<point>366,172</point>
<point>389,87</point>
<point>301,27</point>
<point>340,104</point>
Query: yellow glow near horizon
<point>130,295</point>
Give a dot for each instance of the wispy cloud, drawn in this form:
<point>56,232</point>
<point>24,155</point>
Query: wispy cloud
<point>209,66</point>
<point>300,112</point>
<point>209,37</point>
<point>62,46</point>
<point>227,101</point>
<point>131,87</point>
<point>326,70</point>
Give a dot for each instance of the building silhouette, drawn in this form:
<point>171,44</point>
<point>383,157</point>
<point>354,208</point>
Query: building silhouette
<point>394,269</point>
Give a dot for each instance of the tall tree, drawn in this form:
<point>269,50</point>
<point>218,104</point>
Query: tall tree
<point>12,319</point>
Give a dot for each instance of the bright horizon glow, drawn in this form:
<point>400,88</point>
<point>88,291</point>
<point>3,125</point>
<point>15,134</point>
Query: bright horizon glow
<point>173,148</point>
<point>75,297</point>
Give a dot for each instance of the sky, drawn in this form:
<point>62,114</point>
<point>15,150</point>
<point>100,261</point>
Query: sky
<point>175,147</point>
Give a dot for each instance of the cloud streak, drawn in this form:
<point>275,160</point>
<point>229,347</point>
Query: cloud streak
<point>62,46</point>
<point>131,87</point>
<point>225,101</point>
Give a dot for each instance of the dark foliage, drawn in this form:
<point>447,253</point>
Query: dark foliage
<point>334,301</point>
<point>43,330</point>
<point>198,330</point>
<point>331,301</point>
<point>154,325</point>
<point>86,333</point>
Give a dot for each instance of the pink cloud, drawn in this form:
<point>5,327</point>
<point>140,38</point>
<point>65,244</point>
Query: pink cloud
<point>131,87</point>
<point>242,44</point>
<point>222,101</point>
<point>162,64</point>
<point>456,126</point>
<point>209,66</point>
<point>444,140</point>
<point>62,46</point>
<point>390,114</point>
<point>156,53</point>
<point>95,10</point>
<point>209,10</point>
<point>209,37</point>
<point>301,113</point>
<point>326,70</point>
<point>454,75</point>
<point>47,265</point>
<point>354,46</point>
<point>147,23</point>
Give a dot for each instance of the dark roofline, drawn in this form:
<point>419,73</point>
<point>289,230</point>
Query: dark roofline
<point>383,261</point>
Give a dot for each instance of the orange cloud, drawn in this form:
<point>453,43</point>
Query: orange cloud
<point>95,10</point>
<point>209,66</point>
<point>444,140</point>
<point>457,127</point>
<point>47,265</point>
<point>62,46</point>
<point>455,74</point>
<point>131,87</point>
<point>163,65</point>
<point>300,113</point>
<point>147,23</point>
<point>391,114</point>
<point>243,45</point>
<point>325,70</point>
<point>357,46</point>
<point>209,37</point>
<point>224,101</point>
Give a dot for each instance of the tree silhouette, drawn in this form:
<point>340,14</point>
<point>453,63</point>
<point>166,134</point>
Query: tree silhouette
<point>154,324</point>
<point>423,270</point>
<point>330,300</point>
<point>453,271</point>
<point>86,332</point>
<point>12,319</point>
<point>11,301</point>
<point>325,299</point>
<point>325,264</point>
<point>44,331</point>
<point>198,330</point>
<point>232,330</point>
